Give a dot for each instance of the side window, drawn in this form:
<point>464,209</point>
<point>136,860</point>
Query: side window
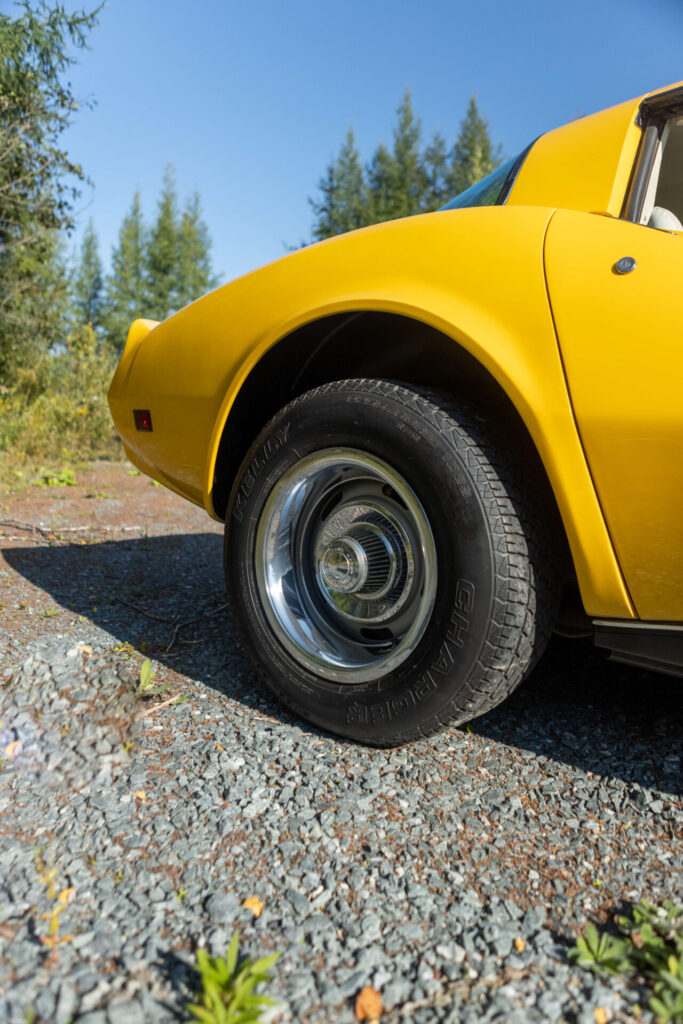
<point>663,202</point>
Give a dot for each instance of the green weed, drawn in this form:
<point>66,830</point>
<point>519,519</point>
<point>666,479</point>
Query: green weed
<point>63,478</point>
<point>146,687</point>
<point>227,990</point>
<point>650,947</point>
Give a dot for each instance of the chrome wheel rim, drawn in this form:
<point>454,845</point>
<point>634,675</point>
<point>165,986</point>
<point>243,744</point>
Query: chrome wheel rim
<point>346,565</point>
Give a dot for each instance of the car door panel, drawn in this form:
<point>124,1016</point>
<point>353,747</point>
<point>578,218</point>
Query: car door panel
<point>621,340</point>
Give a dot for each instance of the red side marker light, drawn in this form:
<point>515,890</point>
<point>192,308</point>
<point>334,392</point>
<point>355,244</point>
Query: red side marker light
<point>143,419</point>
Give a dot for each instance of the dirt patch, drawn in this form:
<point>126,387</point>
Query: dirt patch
<point>104,552</point>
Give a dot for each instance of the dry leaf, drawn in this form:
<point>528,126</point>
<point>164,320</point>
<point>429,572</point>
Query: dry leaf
<point>13,749</point>
<point>254,904</point>
<point>520,944</point>
<point>140,794</point>
<point>368,1004</point>
<point>8,931</point>
<point>67,895</point>
<point>600,1014</point>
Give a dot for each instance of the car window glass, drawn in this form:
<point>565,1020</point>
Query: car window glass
<point>485,192</point>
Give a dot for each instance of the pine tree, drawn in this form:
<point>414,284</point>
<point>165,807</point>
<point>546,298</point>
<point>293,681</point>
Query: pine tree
<point>410,175</point>
<point>194,276</point>
<point>345,202</point>
<point>435,166</point>
<point>382,185</point>
<point>38,180</point>
<point>473,154</point>
<point>406,180</point>
<point>162,253</point>
<point>125,297</point>
<point>86,284</point>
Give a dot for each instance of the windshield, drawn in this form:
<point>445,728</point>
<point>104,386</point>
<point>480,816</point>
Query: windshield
<point>491,190</point>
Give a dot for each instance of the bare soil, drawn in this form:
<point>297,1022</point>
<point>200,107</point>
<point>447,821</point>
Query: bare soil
<point>113,552</point>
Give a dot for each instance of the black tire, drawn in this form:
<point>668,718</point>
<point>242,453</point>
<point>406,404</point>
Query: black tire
<point>481,623</point>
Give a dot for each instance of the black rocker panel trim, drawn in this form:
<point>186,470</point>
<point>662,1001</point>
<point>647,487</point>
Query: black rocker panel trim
<point>652,645</point>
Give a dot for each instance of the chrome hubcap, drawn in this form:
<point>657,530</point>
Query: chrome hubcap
<point>346,565</point>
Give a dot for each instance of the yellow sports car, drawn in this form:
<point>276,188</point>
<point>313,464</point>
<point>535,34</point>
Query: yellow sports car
<point>435,440</point>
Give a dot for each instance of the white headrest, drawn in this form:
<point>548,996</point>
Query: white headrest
<point>665,220</point>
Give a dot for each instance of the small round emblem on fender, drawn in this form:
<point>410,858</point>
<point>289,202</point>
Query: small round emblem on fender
<point>625,265</point>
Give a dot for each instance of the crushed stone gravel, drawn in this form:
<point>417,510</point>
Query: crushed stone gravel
<point>451,874</point>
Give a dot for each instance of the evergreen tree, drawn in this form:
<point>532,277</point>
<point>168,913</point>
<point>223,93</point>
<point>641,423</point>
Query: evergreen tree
<point>435,165</point>
<point>344,205</point>
<point>405,180</point>
<point>38,180</point>
<point>162,253</point>
<point>86,285</point>
<point>125,296</point>
<point>382,185</point>
<point>193,276</point>
<point>474,156</point>
<point>409,172</point>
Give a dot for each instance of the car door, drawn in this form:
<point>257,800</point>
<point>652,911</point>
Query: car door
<point>621,339</point>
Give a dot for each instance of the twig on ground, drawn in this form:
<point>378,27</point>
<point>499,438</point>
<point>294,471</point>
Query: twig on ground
<point>29,527</point>
<point>141,611</point>
<point>190,622</point>
<point>157,707</point>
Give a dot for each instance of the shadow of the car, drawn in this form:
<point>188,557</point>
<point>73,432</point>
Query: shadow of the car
<point>577,707</point>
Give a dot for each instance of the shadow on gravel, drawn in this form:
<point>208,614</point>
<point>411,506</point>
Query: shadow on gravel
<point>610,719</point>
<point>577,707</point>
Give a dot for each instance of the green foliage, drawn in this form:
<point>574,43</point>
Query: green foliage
<point>125,290</point>
<point>603,954</point>
<point>404,180</point>
<point>86,285</point>
<point>194,276</point>
<point>227,989</point>
<point>146,687</point>
<point>344,203</point>
<point>162,269</point>
<point>58,408</point>
<point>650,946</point>
<point>63,478</point>
<point>473,154</point>
<point>38,181</point>
<point>409,174</point>
<point>162,252</point>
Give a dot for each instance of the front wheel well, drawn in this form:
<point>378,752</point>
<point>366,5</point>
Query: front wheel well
<point>377,345</point>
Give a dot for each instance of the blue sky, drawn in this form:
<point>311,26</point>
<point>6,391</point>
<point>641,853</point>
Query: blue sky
<point>250,100</point>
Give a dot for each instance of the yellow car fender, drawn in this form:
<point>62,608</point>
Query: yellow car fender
<point>475,275</point>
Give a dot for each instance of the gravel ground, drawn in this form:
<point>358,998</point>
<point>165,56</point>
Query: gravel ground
<point>450,874</point>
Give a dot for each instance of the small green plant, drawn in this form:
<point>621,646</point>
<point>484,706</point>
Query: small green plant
<point>603,954</point>
<point>227,990</point>
<point>650,947</point>
<point>146,687</point>
<point>64,478</point>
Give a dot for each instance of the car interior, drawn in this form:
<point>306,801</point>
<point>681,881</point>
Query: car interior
<point>663,204</point>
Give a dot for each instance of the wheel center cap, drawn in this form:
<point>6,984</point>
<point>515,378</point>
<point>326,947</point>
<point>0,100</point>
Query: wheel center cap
<point>343,566</point>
